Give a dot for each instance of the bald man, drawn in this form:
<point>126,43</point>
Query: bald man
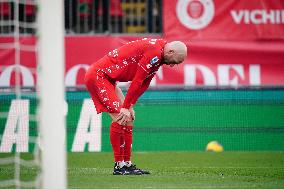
<point>136,61</point>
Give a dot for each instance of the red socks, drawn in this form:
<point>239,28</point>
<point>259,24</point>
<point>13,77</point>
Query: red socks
<point>117,141</point>
<point>128,142</point>
<point>121,141</point>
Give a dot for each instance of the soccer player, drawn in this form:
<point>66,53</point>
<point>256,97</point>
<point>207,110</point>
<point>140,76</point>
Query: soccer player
<point>136,61</point>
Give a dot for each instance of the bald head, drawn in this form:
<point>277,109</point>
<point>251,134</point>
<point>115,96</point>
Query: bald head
<point>174,52</point>
<point>177,46</point>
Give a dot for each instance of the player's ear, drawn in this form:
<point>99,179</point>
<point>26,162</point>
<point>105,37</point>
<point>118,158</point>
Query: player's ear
<point>171,51</point>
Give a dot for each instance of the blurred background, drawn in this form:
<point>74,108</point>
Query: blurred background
<point>229,89</point>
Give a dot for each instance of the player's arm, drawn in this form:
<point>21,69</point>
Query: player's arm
<point>134,89</point>
<point>144,87</point>
<point>141,80</point>
<point>141,74</point>
<point>121,98</point>
<point>131,96</point>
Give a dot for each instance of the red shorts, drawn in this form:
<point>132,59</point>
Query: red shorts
<point>102,90</point>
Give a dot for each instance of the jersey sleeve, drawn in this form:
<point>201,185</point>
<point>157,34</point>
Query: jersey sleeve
<point>143,88</point>
<point>142,78</point>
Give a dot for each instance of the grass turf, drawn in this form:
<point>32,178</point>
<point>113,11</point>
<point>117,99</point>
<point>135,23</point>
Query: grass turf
<point>171,170</point>
<point>176,170</point>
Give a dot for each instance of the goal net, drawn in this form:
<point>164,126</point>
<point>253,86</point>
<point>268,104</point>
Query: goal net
<point>32,120</point>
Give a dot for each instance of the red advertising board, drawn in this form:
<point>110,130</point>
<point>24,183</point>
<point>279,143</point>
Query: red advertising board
<point>223,20</point>
<point>214,63</point>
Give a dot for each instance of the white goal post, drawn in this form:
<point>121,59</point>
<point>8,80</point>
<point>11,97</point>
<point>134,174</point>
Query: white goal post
<point>51,56</point>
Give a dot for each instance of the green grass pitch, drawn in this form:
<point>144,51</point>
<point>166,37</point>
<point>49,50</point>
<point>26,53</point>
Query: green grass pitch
<point>172,170</point>
<point>176,170</point>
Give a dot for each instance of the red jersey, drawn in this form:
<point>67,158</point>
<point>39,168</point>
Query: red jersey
<point>136,61</point>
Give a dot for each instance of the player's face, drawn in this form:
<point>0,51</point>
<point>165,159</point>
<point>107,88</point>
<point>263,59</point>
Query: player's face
<point>173,59</point>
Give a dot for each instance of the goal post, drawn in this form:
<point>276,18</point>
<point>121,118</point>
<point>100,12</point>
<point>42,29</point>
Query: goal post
<point>51,57</point>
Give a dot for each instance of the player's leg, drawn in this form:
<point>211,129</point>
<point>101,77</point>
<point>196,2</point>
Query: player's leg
<point>105,100</point>
<point>121,140</point>
<point>120,135</point>
<point>117,140</point>
<point>127,137</point>
<point>128,141</point>
<point>128,150</point>
<point>127,130</point>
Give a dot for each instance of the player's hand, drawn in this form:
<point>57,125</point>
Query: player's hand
<point>123,117</point>
<point>132,112</point>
